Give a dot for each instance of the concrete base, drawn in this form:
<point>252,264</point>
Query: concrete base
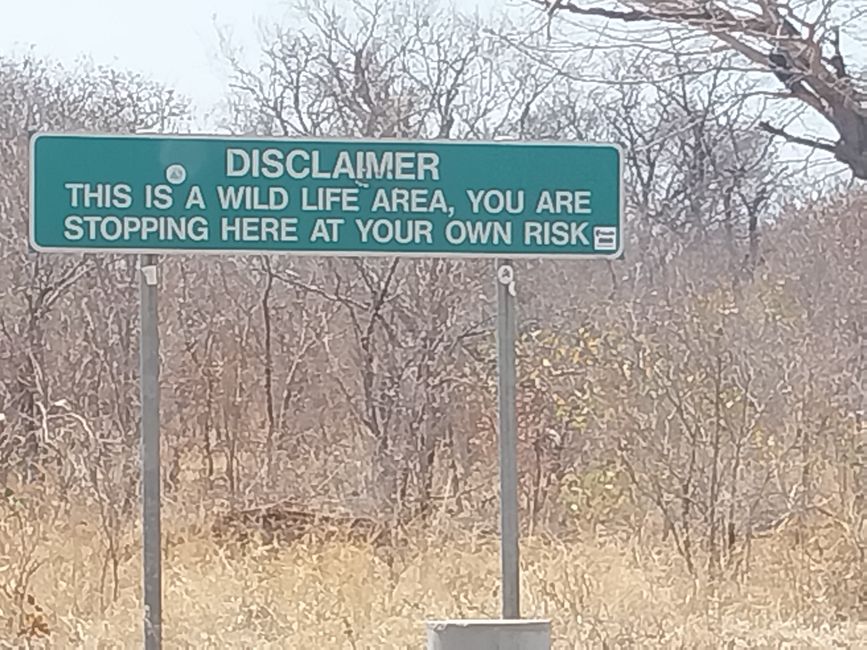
<point>489,635</point>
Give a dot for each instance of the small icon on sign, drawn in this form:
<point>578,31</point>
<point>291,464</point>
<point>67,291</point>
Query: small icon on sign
<point>605,238</point>
<point>176,174</point>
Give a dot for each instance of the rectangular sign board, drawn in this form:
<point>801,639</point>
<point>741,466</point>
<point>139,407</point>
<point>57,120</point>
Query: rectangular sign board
<point>181,194</point>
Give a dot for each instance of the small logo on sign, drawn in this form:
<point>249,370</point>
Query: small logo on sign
<point>605,238</point>
<point>176,174</point>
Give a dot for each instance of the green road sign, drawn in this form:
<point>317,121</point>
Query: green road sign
<point>163,194</point>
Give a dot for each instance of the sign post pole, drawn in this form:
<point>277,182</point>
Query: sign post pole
<point>150,455</point>
<point>506,394</point>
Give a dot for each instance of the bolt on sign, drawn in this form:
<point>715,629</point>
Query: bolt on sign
<point>164,194</point>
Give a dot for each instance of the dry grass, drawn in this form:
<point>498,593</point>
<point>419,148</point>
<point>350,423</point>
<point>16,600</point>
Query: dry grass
<point>332,595</point>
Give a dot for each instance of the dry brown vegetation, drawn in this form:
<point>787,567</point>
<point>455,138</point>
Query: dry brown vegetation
<point>620,592</point>
<point>692,441</point>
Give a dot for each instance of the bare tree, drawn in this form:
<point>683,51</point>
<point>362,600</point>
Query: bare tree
<point>693,171</point>
<point>408,72</point>
<point>800,46</point>
<point>38,96</point>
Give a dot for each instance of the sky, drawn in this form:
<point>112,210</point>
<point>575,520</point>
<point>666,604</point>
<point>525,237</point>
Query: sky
<point>172,41</point>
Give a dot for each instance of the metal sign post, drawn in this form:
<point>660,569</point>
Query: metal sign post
<point>150,455</point>
<point>508,425</point>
